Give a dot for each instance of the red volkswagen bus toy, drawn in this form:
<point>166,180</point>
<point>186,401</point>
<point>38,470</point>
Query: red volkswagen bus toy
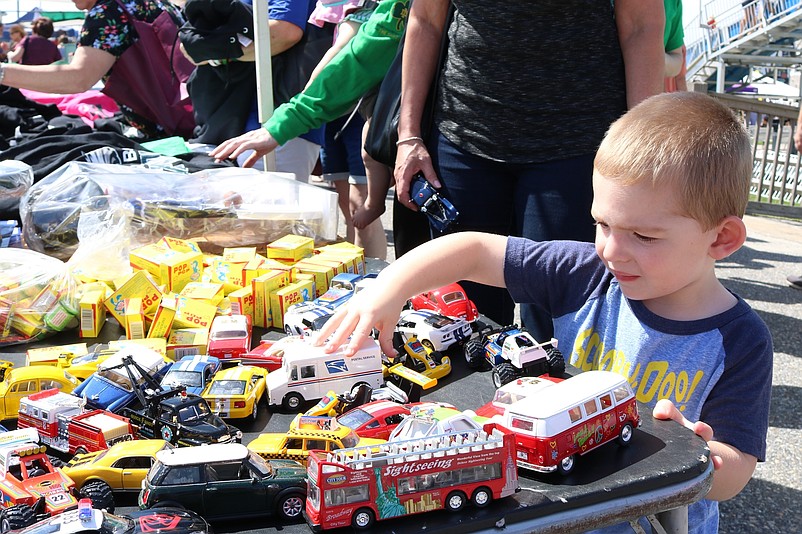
<point>359,486</point>
<point>554,425</point>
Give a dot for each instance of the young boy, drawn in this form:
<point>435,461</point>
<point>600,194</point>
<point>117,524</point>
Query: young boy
<point>671,182</point>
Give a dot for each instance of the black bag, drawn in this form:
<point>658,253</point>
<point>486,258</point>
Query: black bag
<point>380,142</point>
<point>292,68</point>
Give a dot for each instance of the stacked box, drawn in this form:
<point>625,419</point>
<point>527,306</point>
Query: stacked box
<point>262,287</point>
<point>187,342</point>
<point>180,269</point>
<point>134,319</point>
<point>321,273</point>
<point>212,293</point>
<point>163,320</point>
<point>290,248</point>
<point>241,301</point>
<point>190,313</point>
<point>139,285</point>
<point>283,298</point>
<point>92,312</point>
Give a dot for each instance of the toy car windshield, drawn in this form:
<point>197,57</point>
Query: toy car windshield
<point>441,212</point>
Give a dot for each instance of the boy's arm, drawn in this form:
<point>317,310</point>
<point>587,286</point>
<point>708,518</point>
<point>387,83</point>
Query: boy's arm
<point>465,256</point>
<point>733,468</point>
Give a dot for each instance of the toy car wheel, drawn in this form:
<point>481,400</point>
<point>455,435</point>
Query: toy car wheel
<point>55,461</point>
<point>481,497</point>
<point>255,412</point>
<point>437,356</point>
<point>455,501</point>
<point>566,465</point>
<point>100,494</point>
<point>81,450</point>
<point>363,519</point>
<point>290,506</point>
<point>503,373</point>
<point>428,344</point>
<point>474,352</point>
<point>556,362</point>
<point>15,517</point>
<point>625,436</point>
<point>292,402</point>
<point>288,330</point>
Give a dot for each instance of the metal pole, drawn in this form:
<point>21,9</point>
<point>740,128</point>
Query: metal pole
<point>264,70</point>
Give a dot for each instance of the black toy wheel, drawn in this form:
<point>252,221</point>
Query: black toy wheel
<point>255,412</point>
<point>481,497</point>
<point>427,344</point>
<point>503,373</point>
<point>16,517</point>
<point>556,362</point>
<point>363,519</point>
<point>474,352</point>
<point>292,402</point>
<point>625,436</point>
<point>290,506</point>
<point>100,494</point>
<point>81,450</point>
<point>455,501</point>
<point>566,465</point>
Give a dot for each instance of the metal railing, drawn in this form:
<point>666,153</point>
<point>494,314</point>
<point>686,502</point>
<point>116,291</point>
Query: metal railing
<point>776,180</point>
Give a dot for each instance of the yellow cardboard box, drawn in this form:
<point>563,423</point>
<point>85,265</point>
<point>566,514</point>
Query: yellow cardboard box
<point>241,301</point>
<point>191,313</point>
<point>239,254</point>
<point>187,342</point>
<point>51,355</point>
<point>155,344</point>
<point>149,258</point>
<point>163,320</point>
<point>322,273</point>
<point>179,270</point>
<point>283,298</point>
<point>204,291</point>
<point>139,285</point>
<point>227,273</point>
<point>180,245</point>
<point>348,249</point>
<point>92,312</point>
<point>134,319</point>
<point>262,286</point>
<point>299,277</point>
<point>290,248</point>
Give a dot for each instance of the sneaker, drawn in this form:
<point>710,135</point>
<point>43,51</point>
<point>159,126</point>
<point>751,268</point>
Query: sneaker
<point>795,281</point>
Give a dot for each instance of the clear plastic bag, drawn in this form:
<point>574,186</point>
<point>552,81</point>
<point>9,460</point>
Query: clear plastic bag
<point>227,207</point>
<point>16,177</point>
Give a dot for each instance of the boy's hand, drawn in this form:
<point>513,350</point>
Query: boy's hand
<point>665,409</point>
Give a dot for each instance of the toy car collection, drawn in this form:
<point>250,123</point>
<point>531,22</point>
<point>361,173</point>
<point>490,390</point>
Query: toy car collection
<point>356,487</point>
<point>429,421</point>
<point>513,352</point>
<point>433,330</point>
<point>306,317</point>
<point>236,392</point>
<point>377,419</point>
<point>229,336</point>
<point>243,484</point>
<point>557,423</point>
<point>31,487</point>
<point>449,300</point>
<point>192,372</point>
<point>23,381</point>
<point>65,426</point>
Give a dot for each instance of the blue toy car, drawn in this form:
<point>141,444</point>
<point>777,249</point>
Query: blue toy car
<point>341,288</point>
<point>440,211</point>
<point>193,372</point>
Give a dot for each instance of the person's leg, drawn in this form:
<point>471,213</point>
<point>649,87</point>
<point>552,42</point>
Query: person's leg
<point>482,191</point>
<point>552,201</point>
<point>379,181</point>
<point>297,156</point>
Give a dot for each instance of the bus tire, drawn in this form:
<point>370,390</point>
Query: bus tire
<point>363,519</point>
<point>566,465</point>
<point>481,497</point>
<point>625,436</point>
<point>455,501</point>
<point>292,402</point>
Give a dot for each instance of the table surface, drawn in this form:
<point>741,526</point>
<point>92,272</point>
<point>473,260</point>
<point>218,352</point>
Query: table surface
<point>665,466</point>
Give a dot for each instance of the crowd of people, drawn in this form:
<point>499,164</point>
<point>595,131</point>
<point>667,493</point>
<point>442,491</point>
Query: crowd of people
<point>522,101</point>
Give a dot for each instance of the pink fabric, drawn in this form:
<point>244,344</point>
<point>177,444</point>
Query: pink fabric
<point>333,11</point>
<point>89,105</point>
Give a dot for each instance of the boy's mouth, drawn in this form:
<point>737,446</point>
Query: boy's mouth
<point>624,277</point>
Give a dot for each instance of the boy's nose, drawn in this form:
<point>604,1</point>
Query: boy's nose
<point>613,249</point>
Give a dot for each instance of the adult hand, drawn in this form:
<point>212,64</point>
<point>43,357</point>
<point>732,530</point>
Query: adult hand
<point>665,409</point>
<point>260,141</point>
<point>412,158</point>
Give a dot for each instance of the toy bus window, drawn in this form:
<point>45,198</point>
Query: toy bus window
<point>523,424</point>
<point>295,443</point>
<point>621,393</point>
<point>316,444</point>
<point>44,414</point>
<point>606,401</point>
<point>308,371</point>
<point>346,495</point>
<point>590,407</point>
<point>182,475</point>
<point>294,374</point>
<point>575,414</point>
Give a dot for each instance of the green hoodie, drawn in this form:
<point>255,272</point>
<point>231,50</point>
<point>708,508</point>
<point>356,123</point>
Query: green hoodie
<point>357,68</point>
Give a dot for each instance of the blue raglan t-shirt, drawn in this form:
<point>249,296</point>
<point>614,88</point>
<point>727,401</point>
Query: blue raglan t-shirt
<point>710,368</point>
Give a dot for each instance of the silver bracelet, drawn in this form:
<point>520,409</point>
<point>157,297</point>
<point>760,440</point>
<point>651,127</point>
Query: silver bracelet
<point>397,143</point>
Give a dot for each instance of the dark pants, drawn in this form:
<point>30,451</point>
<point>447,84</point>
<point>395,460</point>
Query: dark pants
<point>539,201</point>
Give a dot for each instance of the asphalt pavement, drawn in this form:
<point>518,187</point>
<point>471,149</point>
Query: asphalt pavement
<point>772,501</point>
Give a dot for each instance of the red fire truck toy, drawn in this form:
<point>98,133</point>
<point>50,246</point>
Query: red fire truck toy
<point>65,426</point>
<point>361,485</point>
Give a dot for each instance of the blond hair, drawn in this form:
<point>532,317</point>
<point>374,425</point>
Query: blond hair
<point>689,141</point>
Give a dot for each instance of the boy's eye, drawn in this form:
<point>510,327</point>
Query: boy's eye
<point>601,224</point>
<point>644,239</point>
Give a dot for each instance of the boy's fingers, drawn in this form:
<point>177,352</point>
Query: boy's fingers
<point>665,409</point>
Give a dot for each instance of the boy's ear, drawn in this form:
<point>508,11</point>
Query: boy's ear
<point>730,236</point>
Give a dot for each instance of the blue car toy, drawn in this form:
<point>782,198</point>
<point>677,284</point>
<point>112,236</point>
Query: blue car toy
<point>441,213</point>
<point>193,372</point>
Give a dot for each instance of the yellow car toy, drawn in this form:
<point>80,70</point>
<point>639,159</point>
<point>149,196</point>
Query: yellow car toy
<point>307,433</point>
<point>23,381</point>
<point>121,467</point>
<point>428,362</point>
<point>235,393</point>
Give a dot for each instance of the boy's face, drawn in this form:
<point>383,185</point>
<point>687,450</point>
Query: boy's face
<point>658,255</point>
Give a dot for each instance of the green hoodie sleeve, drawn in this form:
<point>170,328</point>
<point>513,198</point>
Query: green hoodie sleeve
<point>357,68</point>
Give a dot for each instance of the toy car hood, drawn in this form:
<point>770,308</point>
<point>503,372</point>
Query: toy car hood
<point>54,487</point>
<point>267,443</point>
<point>287,469</point>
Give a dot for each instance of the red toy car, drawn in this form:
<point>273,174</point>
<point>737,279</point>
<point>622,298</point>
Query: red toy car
<point>378,419</point>
<point>449,300</point>
<point>229,337</point>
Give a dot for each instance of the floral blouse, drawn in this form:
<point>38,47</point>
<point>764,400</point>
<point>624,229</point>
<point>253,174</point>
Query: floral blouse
<point>108,27</point>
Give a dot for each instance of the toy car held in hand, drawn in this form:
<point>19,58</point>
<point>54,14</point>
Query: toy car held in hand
<point>441,212</point>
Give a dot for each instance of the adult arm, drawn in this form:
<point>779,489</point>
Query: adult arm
<point>283,36</point>
<point>465,256</point>
<point>674,60</point>
<point>345,32</point>
<point>421,50</point>
<point>87,67</point>
<point>641,24</point>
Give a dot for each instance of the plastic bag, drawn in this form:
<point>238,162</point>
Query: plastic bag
<point>16,178</point>
<point>103,236</point>
<point>38,296</point>
<point>226,207</point>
